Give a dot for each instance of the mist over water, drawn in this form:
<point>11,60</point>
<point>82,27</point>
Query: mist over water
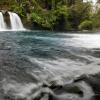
<point>28,60</point>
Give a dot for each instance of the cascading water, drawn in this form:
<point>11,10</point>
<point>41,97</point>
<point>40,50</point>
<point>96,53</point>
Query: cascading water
<point>16,23</point>
<point>2,22</point>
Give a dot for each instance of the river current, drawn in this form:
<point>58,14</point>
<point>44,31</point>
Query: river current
<point>34,63</point>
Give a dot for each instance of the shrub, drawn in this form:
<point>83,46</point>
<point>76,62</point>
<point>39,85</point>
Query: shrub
<point>86,25</point>
<point>44,19</point>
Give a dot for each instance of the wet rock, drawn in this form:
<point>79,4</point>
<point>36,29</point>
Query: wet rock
<point>5,12</point>
<point>73,89</point>
<point>67,88</point>
<point>81,78</point>
<point>93,81</point>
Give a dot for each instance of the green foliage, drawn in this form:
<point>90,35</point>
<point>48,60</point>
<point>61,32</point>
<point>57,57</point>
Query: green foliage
<point>50,19</point>
<point>18,10</point>
<point>96,19</point>
<point>98,1</point>
<point>45,20</point>
<point>54,14</point>
<point>78,13</point>
<point>86,25</point>
<point>61,13</point>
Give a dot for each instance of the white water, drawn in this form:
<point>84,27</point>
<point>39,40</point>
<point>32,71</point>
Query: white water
<point>50,59</point>
<point>16,23</point>
<point>2,22</point>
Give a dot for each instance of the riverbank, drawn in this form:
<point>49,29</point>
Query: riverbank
<point>60,16</point>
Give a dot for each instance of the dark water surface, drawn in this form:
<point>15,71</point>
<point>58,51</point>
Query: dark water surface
<point>33,65</point>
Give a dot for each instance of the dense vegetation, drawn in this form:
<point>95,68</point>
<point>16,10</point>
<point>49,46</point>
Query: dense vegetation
<point>56,14</point>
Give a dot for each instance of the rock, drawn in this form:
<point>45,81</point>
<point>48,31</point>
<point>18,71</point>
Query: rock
<point>4,12</point>
<point>93,81</point>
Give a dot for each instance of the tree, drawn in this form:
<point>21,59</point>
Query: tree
<point>79,12</point>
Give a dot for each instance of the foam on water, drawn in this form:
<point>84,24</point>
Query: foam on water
<point>37,63</point>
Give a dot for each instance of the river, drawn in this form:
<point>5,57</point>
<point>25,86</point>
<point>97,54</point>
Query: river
<point>33,63</point>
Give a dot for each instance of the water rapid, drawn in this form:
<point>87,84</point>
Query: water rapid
<point>39,65</point>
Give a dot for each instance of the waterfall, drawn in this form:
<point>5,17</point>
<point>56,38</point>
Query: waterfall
<point>2,22</point>
<point>16,23</point>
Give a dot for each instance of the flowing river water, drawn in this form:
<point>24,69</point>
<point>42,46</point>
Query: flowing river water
<point>35,64</point>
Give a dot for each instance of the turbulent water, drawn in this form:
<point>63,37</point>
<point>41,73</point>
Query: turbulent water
<point>33,64</point>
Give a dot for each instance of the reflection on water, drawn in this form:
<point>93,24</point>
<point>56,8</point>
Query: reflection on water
<point>28,60</point>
